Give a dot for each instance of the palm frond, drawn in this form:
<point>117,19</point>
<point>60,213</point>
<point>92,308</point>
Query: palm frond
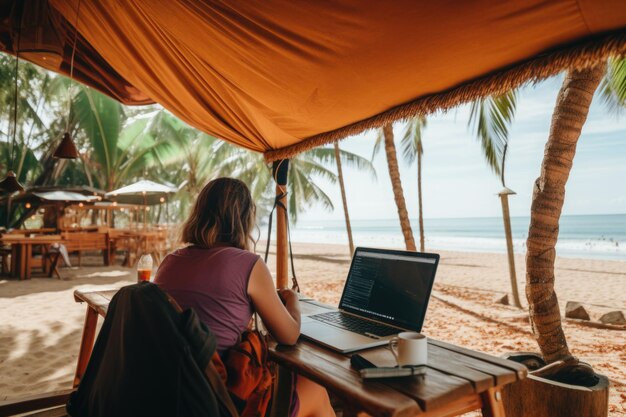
<point>101,119</point>
<point>613,86</point>
<point>327,156</point>
<point>411,142</point>
<point>491,119</point>
<point>380,139</point>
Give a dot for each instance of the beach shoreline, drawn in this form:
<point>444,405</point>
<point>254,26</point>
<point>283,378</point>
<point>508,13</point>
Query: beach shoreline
<point>40,324</point>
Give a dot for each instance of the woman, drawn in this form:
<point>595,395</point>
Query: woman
<point>225,283</point>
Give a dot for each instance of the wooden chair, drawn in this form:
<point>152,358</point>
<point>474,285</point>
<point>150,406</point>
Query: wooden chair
<point>50,256</point>
<point>128,244</point>
<point>155,244</point>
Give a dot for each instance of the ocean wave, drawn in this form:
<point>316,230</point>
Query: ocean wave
<point>580,248</point>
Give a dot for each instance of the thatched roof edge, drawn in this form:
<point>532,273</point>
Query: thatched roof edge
<point>576,56</point>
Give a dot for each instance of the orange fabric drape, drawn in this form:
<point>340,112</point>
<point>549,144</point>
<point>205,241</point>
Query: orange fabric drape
<point>269,74</point>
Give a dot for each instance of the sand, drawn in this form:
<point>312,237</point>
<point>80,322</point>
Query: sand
<point>40,324</point>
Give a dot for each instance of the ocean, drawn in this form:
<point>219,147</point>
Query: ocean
<point>580,236</point>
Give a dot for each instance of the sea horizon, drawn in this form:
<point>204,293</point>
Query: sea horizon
<point>592,236</point>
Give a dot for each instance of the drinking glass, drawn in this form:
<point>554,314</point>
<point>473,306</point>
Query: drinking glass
<point>144,268</point>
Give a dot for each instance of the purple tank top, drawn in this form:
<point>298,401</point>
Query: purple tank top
<point>213,282</point>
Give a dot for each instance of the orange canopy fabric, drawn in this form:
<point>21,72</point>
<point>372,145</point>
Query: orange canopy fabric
<point>274,74</point>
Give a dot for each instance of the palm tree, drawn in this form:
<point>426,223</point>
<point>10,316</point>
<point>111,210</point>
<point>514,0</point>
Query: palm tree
<point>569,116</point>
<point>491,117</point>
<point>570,113</point>
<point>412,150</point>
<point>386,135</point>
<point>344,200</point>
<point>35,97</point>
<point>304,169</point>
<point>349,159</point>
<point>119,149</point>
<point>203,158</point>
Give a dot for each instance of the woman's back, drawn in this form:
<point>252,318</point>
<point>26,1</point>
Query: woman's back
<point>214,282</point>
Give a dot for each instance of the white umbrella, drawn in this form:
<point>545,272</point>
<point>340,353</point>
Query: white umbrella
<point>142,192</point>
<point>64,196</point>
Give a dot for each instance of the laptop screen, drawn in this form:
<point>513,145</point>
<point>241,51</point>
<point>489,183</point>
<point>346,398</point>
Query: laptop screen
<point>390,286</point>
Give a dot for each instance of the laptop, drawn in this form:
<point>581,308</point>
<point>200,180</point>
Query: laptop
<point>386,292</point>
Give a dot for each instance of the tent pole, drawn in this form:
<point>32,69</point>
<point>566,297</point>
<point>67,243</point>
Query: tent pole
<point>279,171</point>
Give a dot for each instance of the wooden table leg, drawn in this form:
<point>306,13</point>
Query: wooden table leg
<point>492,403</point>
<point>14,261</point>
<point>86,344</point>
<point>22,262</point>
<point>45,260</point>
<point>106,254</point>
<point>28,260</point>
<point>5,260</point>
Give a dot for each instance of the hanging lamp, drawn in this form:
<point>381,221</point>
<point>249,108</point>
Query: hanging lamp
<point>10,184</point>
<point>67,148</point>
<point>42,35</point>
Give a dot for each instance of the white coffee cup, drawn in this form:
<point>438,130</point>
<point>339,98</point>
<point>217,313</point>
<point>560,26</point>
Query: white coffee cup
<point>409,349</point>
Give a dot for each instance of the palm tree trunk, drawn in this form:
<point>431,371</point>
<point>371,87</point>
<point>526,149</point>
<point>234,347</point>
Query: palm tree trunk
<point>570,113</point>
<point>419,199</point>
<point>396,184</point>
<point>343,197</point>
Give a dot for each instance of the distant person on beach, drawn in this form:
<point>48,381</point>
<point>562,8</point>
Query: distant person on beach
<point>219,277</point>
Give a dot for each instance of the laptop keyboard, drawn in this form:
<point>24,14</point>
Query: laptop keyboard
<point>355,324</point>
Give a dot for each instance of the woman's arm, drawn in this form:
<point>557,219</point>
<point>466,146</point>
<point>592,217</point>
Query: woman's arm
<point>282,320</point>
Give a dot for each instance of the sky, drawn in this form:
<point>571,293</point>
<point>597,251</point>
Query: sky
<point>457,182</point>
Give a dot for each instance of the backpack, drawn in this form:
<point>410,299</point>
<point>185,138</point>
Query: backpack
<point>246,372</point>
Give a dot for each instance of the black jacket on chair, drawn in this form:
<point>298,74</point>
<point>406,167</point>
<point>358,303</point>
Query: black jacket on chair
<point>149,360</point>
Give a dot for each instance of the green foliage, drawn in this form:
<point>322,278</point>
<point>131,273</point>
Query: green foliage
<point>196,158</point>
<point>613,86</point>
<point>411,142</point>
<point>491,119</point>
<point>119,145</point>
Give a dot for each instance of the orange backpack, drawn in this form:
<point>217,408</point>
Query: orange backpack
<point>247,374</point>
<point>245,371</point>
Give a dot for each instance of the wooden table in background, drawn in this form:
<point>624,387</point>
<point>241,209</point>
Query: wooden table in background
<point>22,251</point>
<point>457,381</point>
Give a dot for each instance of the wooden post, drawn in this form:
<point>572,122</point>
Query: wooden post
<point>9,208</point>
<point>504,199</point>
<point>279,171</point>
<point>145,212</point>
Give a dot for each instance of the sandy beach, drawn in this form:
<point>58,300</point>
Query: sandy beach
<point>40,324</point>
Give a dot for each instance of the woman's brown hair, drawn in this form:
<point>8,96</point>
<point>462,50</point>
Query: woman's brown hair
<point>224,213</point>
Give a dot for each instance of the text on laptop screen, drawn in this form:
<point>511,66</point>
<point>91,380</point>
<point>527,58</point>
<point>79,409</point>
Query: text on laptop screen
<point>391,288</point>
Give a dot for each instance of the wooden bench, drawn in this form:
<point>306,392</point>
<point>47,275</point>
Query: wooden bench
<point>79,242</point>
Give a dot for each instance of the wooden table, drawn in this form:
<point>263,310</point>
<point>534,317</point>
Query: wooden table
<point>457,381</point>
<point>22,251</point>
